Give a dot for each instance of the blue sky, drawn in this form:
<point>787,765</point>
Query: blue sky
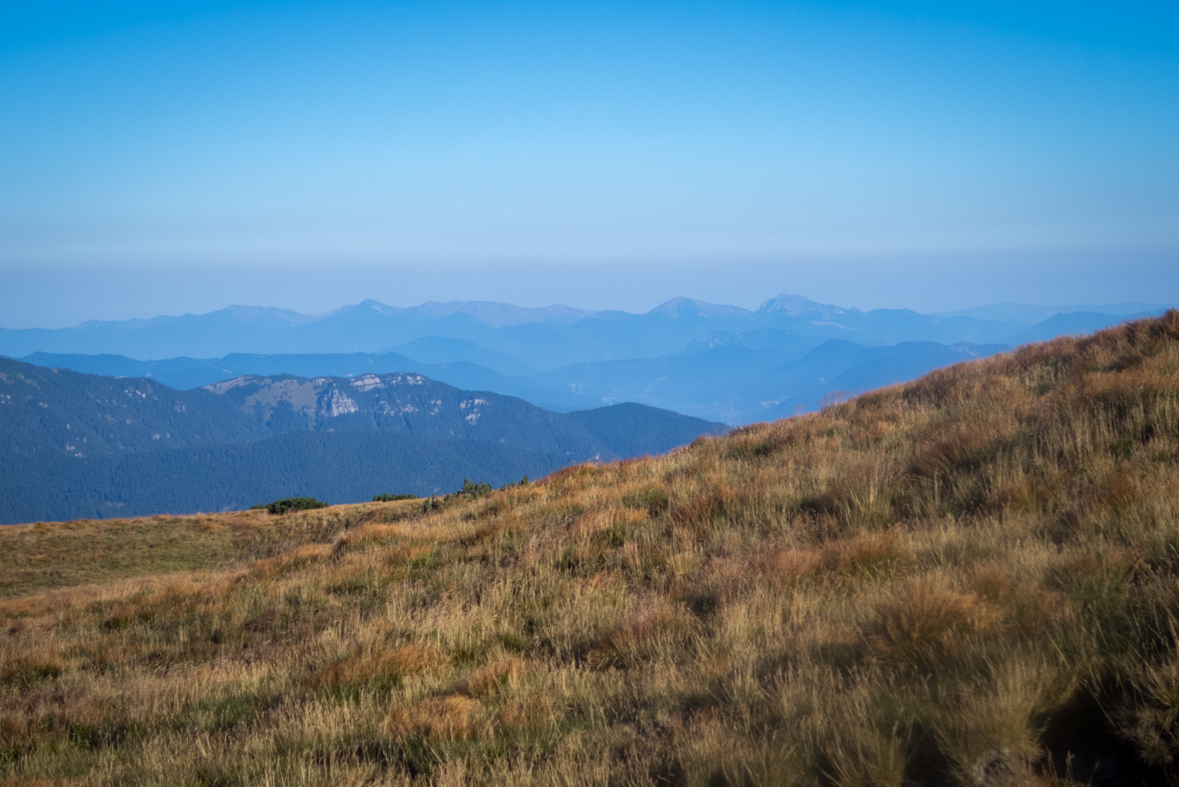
<point>161,158</point>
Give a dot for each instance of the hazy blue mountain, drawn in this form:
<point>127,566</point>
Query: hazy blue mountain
<point>498,315</point>
<point>234,329</point>
<point>725,382</point>
<point>440,349</point>
<point>879,326</point>
<point>1074,323</point>
<point>369,326</point>
<point>739,384</point>
<point>681,323</point>
<point>1025,313</point>
<point>786,344</point>
<point>179,373</point>
<point>605,336</point>
<point>841,369</point>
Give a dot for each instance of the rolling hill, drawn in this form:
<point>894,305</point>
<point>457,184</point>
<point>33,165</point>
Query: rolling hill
<point>970,579</point>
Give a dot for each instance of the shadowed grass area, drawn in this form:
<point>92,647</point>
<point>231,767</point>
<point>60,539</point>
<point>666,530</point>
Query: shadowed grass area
<point>970,579</point>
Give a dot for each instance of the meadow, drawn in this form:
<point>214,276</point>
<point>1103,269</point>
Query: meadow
<point>969,579</point>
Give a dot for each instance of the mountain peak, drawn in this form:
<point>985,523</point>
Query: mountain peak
<point>684,307</point>
<point>377,306</point>
<point>801,307</point>
<point>258,313</point>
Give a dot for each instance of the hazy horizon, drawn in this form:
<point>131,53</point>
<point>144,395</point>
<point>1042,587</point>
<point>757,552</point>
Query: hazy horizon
<point>51,297</point>
<point>163,159</point>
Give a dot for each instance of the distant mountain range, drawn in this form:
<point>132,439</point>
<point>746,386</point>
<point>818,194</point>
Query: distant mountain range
<point>80,445</point>
<point>712,361</point>
<point>544,339</point>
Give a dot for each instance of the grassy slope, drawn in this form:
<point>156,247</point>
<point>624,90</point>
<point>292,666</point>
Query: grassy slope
<point>958,580</point>
<point>48,556</point>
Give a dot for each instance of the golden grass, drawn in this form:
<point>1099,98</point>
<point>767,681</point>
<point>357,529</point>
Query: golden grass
<point>963,580</point>
<point>44,556</point>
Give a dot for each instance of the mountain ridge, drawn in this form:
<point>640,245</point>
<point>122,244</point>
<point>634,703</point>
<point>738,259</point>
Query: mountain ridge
<point>75,444</point>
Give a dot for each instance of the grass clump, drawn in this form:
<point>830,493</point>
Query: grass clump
<point>971,579</point>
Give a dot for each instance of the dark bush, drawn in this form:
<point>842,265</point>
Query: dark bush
<point>475,491</point>
<point>294,504</point>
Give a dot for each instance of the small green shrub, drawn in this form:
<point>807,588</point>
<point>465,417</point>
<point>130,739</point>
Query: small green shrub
<point>294,504</point>
<point>475,491</point>
<point>390,498</point>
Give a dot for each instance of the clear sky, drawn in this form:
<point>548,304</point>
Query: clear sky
<point>171,157</point>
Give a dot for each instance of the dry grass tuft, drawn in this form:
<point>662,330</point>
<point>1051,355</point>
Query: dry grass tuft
<point>789,567</point>
<point>297,558</point>
<point>500,674</point>
<point>441,718</point>
<point>378,667</point>
<point>922,624</point>
<point>656,625</point>
<point>871,555</point>
<point>29,669</point>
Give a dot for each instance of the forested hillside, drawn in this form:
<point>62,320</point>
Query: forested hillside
<point>62,413</point>
<point>79,445</point>
<point>348,467</point>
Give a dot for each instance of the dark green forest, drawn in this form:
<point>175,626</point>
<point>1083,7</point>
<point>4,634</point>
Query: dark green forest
<point>342,468</point>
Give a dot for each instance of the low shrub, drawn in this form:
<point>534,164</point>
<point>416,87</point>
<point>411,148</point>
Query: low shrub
<point>294,504</point>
